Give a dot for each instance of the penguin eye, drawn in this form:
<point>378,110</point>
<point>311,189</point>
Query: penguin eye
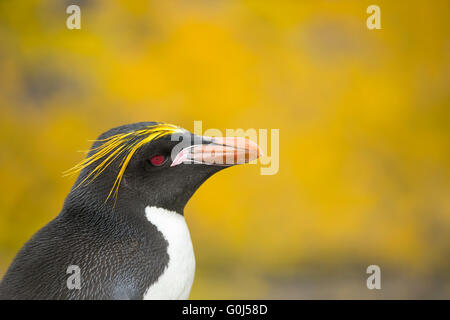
<point>158,160</point>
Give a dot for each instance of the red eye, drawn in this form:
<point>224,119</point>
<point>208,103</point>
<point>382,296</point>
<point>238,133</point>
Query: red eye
<point>157,160</point>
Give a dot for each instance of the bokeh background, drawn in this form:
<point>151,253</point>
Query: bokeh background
<point>364,174</point>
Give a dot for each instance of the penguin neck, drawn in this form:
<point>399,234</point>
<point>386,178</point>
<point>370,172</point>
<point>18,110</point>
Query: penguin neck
<point>86,203</point>
<point>176,280</point>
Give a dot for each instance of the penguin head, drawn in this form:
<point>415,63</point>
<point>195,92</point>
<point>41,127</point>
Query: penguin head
<point>153,164</point>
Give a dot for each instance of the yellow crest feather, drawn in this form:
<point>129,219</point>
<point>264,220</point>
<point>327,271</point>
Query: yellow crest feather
<point>112,147</point>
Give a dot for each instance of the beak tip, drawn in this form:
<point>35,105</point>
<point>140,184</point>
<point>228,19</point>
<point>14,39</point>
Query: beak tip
<point>260,153</point>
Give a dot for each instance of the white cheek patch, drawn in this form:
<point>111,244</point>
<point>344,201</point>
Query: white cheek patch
<point>177,278</point>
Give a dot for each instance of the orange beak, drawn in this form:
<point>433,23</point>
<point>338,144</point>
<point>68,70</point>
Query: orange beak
<point>221,151</point>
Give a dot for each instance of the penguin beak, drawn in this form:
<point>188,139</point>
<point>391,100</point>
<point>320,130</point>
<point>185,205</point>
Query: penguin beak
<point>219,151</point>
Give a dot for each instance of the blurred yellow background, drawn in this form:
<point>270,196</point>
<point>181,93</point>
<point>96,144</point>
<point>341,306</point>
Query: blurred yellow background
<point>363,115</point>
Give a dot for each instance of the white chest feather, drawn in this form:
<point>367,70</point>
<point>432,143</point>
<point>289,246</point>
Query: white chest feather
<point>176,280</point>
